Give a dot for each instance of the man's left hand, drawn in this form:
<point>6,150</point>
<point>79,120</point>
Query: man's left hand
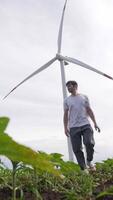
<point>97,128</point>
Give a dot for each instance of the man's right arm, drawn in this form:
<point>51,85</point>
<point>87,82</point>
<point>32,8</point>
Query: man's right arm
<point>65,119</point>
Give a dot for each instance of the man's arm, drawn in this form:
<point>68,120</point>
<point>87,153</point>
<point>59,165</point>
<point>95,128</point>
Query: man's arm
<point>92,116</point>
<point>65,120</point>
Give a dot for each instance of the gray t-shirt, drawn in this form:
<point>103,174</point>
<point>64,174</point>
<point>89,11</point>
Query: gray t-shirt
<point>76,105</point>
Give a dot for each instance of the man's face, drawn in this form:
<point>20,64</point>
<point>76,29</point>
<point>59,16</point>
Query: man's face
<point>71,88</point>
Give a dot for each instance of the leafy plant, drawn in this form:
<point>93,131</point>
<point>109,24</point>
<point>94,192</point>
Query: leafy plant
<point>38,173</point>
<point>65,167</point>
<point>20,153</point>
<point>17,152</point>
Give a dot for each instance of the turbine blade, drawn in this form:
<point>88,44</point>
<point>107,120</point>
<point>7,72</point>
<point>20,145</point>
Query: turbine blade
<point>33,74</point>
<point>82,64</point>
<point>61,29</point>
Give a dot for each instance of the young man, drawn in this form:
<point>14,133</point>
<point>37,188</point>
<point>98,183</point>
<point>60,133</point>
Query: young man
<point>76,124</point>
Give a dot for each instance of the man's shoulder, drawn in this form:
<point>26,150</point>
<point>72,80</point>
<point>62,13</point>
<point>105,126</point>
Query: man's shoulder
<point>66,99</point>
<point>83,95</point>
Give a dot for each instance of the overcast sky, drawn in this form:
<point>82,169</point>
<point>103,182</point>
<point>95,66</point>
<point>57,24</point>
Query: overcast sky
<point>28,39</point>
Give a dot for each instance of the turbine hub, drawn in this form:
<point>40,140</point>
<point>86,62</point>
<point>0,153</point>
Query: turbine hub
<point>58,56</point>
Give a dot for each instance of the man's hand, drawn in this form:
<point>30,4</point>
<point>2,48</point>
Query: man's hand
<point>97,128</point>
<point>67,132</point>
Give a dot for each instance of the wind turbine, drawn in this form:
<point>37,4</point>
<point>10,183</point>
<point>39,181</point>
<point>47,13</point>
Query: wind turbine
<point>63,60</point>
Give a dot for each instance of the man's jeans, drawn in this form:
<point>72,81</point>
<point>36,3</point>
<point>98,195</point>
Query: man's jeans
<point>77,134</point>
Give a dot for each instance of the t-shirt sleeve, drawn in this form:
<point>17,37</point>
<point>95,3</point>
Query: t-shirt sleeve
<point>65,104</point>
<point>87,104</point>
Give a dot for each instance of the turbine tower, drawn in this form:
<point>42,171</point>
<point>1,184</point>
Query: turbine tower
<point>63,60</point>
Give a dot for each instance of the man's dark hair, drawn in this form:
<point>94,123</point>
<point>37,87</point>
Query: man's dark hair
<point>74,83</point>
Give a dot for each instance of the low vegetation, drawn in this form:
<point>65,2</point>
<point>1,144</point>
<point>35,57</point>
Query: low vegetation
<point>39,176</point>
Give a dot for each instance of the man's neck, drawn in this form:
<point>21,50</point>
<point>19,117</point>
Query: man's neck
<point>74,93</point>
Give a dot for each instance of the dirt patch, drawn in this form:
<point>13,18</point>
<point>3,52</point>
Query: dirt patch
<point>6,194</point>
<point>51,195</point>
